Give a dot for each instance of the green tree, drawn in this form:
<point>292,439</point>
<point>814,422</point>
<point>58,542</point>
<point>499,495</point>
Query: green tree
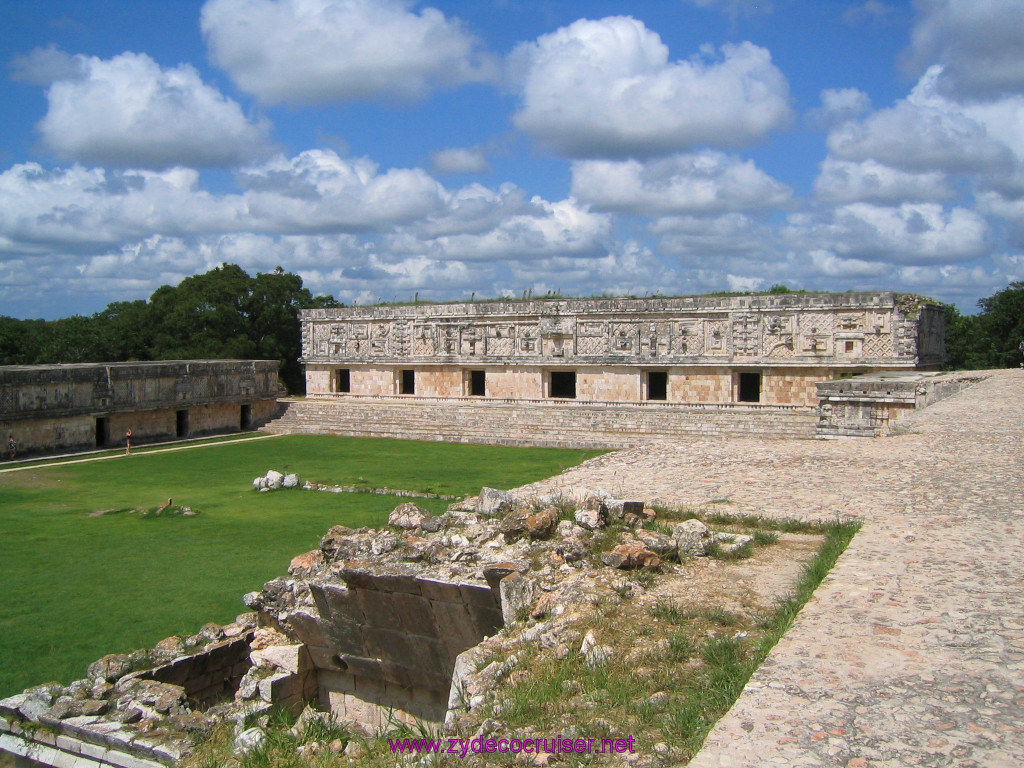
<point>125,331</point>
<point>1002,326</point>
<point>272,313</point>
<point>990,339</point>
<point>202,317</point>
<point>20,340</point>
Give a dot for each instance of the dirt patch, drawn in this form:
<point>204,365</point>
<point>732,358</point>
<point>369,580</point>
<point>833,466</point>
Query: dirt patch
<point>753,585</point>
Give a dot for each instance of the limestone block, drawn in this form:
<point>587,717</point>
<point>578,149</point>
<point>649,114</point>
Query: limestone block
<point>110,667</point>
<point>495,572</point>
<point>290,658</point>
<point>282,689</point>
<point>379,609</point>
<point>631,555</point>
<point>478,595</point>
<point>661,545</point>
<point>692,538</point>
<point>487,621</point>
<point>590,518</point>
<point>249,741</point>
<point>303,565</point>
<point>517,596</point>
<point>290,481</point>
<point>492,502</point>
<point>730,542</point>
<point>408,516</point>
<point>542,524</point>
<point>389,644</point>
<point>414,614</point>
<point>397,582</point>
<point>274,479</point>
<point>440,590</point>
<point>360,667</point>
<point>310,629</point>
<point>455,626</point>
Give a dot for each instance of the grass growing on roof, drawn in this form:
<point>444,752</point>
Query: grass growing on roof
<point>77,585</point>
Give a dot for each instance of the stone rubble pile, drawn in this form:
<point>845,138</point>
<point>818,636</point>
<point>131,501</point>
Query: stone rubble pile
<point>517,572</point>
<point>274,480</point>
<point>141,709</point>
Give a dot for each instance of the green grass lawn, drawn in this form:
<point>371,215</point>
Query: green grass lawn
<point>74,587</point>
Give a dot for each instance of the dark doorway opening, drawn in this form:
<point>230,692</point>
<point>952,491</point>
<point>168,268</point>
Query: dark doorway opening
<point>563,384</point>
<point>750,388</point>
<point>408,386</point>
<point>245,421</point>
<point>181,424</point>
<point>102,432</point>
<point>477,383</point>
<point>342,380</point>
<point>657,385</point>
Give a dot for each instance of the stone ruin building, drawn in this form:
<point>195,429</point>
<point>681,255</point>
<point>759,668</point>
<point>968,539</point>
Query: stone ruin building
<point>374,627</point>
<point>91,405</point>
<point>609,372</point>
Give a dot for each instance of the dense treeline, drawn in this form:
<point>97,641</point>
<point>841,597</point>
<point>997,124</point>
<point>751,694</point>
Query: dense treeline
<point>222,314</point>
<point>993,337</point>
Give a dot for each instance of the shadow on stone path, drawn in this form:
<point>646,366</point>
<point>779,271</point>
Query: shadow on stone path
<point>911,652</point>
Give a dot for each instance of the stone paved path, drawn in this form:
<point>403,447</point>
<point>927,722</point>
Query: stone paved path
<point>911,652</point>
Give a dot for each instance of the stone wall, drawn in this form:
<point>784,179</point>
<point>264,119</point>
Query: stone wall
<point>870,405</point>
<point>384,645</point>
<point>210,677</point>
<point>702,344</point>
<point>72,407</point>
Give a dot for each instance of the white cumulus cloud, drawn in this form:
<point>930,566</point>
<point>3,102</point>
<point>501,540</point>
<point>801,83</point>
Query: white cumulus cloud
<point>606,88</point>
<point>128,111</point>
<point>328,51</point>
<point>319,191</point>
<point>909,234</point>
<point>844,181</point>
<point>921,133</point>
<point>701,183</point>
<point>459,160</point>
<point>978,44</point>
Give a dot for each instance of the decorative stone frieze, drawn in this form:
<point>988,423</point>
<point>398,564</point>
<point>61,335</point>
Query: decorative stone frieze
<point>797,328</point>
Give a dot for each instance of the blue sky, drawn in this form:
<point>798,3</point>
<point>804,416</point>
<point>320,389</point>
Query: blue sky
<point>385,149</point>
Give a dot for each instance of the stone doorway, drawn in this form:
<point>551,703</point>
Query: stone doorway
<point>749,387</point>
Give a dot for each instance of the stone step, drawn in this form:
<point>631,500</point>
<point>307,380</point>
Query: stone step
<point>545,424</point>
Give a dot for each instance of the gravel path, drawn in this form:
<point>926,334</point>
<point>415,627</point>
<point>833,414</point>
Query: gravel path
<point>911,653</point>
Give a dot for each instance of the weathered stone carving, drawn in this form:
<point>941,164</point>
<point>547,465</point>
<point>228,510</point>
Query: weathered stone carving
<point>670,330</point>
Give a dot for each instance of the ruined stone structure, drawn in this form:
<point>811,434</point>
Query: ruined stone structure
<point>92,405</point>
<point>870,404</point>
<point>770,349</point>
<point>601,372</point>
<point>374,626</point>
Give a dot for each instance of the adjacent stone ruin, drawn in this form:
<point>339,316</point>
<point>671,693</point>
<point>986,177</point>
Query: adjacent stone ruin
<point>374,627</point>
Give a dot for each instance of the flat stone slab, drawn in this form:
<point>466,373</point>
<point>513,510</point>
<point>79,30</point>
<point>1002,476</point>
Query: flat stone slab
<point>911,652</point>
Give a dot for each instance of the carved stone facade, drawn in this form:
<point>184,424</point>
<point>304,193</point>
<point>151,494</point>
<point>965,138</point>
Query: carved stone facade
<point>92,405</point>
<point>770,349</point>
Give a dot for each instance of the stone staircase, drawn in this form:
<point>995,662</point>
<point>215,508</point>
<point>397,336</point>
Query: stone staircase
<point>549,423</point>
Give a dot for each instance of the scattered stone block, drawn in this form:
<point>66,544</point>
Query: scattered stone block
<point>731,542</point>
<point>692,538</point>
<point>492,502</point>
<point>541,525</point>
<point>408,516</point>
<point>517,596</point>
<point>590,517</point>
<point>631,555</point>
<point>110,667</point>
